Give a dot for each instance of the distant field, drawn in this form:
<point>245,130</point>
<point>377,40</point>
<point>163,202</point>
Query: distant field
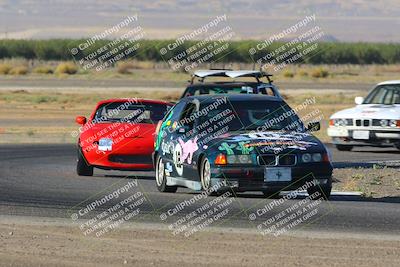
<point>235,51</point>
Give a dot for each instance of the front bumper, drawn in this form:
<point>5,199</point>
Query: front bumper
<point>376,136</point>
<point>252,178</point>
<point>119,160</point>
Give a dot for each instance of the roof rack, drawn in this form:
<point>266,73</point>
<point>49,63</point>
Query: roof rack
<point>202,74</point>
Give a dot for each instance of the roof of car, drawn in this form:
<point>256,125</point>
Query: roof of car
<point>134,100</point>
<point>236,97</point>
<point>389,82</point>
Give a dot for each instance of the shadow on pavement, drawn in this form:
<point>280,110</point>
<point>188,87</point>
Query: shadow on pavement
<point>257,195</point>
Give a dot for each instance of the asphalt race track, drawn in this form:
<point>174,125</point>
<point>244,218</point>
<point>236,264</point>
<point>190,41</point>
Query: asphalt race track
<point>40,180</point>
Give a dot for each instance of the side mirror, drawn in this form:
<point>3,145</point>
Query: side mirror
<point>80,120</point>
<point>359,100</point>
<point>314,126</point>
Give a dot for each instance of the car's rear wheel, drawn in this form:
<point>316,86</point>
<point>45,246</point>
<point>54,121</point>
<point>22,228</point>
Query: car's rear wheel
<point>161,179</point>
<point>344,147</point>
<point>205,177</point>
<point>82,167</point>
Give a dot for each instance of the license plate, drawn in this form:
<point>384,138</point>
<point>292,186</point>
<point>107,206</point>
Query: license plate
<point>363,135</point>
<point>277,174</point>
<point>105,145</point>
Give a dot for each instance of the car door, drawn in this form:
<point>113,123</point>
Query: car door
<point>186,142</point>
<point>167,139</point>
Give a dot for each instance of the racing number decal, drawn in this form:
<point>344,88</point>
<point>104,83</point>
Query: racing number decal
<point>177,157</point>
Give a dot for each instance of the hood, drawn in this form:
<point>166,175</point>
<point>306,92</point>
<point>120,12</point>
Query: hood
<point>371,111</point>
<point>266,142</point>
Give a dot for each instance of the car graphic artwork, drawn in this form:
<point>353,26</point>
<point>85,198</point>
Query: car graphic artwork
<point>227,142</point>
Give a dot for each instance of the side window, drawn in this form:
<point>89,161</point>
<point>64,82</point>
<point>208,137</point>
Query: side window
<point>186,118</point>
<point>175,113</point>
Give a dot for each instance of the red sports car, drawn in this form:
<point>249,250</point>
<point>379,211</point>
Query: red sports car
<point>119,135</point>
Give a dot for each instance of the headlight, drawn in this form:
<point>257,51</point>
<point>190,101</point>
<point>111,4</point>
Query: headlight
<point>306,158</point>
<point>239,159</point>
<point>315,157</point>
<point>105,144</point>
<point>394,123</point>
<point>384,123</point>
<point>342,122</point>
<point>387,123</point>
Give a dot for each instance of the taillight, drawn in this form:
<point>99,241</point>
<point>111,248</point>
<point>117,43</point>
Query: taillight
<point>220,160</point>
<point>331,122</point>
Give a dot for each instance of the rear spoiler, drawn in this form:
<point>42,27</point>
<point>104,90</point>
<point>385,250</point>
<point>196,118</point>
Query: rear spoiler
<point>202,74</point>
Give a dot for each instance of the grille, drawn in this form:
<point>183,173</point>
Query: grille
<point>269,160</point>
<point>365,123</point>
<point>130,159</point>
<point>287,160</point>
<point>283,160</point>
<point>376,122</point>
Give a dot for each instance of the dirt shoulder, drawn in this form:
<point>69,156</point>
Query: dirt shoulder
<point>377,182</point>
<point>44,243</point>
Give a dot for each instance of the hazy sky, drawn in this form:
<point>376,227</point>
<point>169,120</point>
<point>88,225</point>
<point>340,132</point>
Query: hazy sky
<point>351,20</point>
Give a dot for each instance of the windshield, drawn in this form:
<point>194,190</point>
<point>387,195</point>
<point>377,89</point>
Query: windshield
<point>257,115</point>
<point>130,112</point>
<point>384,94</point>
<point>264,89</point>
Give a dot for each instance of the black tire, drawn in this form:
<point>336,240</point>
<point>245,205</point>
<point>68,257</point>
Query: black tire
<point>324,192</point>
<point>397,145</point>
<point>82,167</point>
<point>270,194</point>
<point>205,177</point>
<point>161,179</point>
<point>344,147</point>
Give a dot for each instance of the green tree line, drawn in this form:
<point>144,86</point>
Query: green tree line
<point>237,51</point>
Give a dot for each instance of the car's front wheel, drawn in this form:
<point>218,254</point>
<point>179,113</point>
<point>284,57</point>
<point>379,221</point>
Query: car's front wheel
<point>161,179</point>
<point>82,167</point>
<point>344,147</point>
